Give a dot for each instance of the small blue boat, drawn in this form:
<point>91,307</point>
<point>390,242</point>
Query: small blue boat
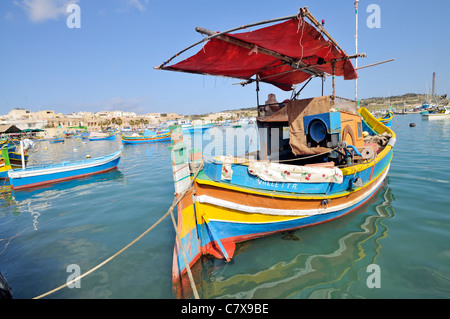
<point>100,138</point>
<point>57,140</point>
<point>64,171</point>
<point>387,118</point>
<point>149,137</point>
<point>196,128</point>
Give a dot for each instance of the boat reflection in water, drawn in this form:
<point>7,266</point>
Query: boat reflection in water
<point>325,261</point>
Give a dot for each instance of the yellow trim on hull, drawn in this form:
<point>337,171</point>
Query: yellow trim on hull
<point>188,220</point>
<point>293,196</point>
<point>230,215</point>
<point>378,127</point>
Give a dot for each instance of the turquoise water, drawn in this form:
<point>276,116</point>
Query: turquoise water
<point>404,230</point>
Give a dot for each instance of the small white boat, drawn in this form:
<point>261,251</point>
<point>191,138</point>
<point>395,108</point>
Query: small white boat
<point>442,112</point>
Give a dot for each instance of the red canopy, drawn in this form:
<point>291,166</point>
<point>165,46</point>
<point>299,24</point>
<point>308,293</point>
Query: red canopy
<point>279,54</point>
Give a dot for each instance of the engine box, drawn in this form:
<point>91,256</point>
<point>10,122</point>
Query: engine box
<point>327,129</point>
<point>351,129</point>
<point>322,129</point>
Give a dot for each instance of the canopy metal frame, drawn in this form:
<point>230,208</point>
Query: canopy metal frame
<point>296,64</point>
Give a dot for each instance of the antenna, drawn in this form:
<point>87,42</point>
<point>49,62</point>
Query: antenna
<point>356,49</point>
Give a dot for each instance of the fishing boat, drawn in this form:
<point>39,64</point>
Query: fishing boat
<point>239,123</point>
<point>324,169</point>
<point>58,139</point>
<point>441,112</point>
<point>101,137</point>
<point>11,159</point>
<point>148,137</point>
<point>192,129</point>
<point>5,164</point>
<point>15,158</point>
<point>387,118</point>
<point>54,173</point>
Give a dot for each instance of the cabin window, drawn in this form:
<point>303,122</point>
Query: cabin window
<point>359,129</point>
<point>285,132</point>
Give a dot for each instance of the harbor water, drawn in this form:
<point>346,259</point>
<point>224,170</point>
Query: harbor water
<point>395,246</point>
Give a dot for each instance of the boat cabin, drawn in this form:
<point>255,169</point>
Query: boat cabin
<point>323,130</point>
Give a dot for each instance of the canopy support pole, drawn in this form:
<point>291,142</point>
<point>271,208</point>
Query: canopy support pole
<point>304,12</point>
<point>257,91</point>
<point>333,81</point>
<point>296,94</point>
<point>373,64</point>
<point>323,80</point>
<point>22,156</point>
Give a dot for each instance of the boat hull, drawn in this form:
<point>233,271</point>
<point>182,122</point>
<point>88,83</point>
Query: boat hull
<point>387,119</point>
<point>16,159</point>
<point>101,138</point>
<point>437,116</point>
<point>60,140</point>
<point>4,171</point>
<point>49,174</point>
<point>145,139</point>
<point>196,129</point>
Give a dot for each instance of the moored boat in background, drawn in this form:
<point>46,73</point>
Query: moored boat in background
<point>54,173</point>
<point>192,129</point>
<point>441,112</point>
<point>101,136</point>
<point>58,139</point>
<point>5,164</point>
<point>148,137</point>
<point>387,118</point>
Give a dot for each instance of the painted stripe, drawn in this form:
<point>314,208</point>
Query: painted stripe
<point>71,166</point>
<point>290,196</point>
<point>283,212</point>
<point>60,179</point>
<point>239,234</point>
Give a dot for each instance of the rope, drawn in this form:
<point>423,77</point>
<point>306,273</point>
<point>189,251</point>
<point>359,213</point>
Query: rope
<point>279,161</point>
<point>169,212</point>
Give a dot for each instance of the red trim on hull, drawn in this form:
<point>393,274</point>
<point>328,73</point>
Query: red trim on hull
<point>54,181</point>
<point>211,245</point>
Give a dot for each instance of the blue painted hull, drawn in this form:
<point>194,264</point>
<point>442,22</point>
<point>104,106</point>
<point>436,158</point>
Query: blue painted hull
<point>226,232</point>
<point>197,129</point>
<point>48,174</point>
<point>243,179</point>
<point>112,137</point>
<point>60,140</point>
<point>141,140</point>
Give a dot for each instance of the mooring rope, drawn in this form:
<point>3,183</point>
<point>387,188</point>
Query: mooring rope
<point>169,212</point>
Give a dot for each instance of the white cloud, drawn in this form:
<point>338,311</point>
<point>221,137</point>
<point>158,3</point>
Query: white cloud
<point>9,16</point>
<point>42,10</point>
<point>137,4</point>
<point>133,104</point>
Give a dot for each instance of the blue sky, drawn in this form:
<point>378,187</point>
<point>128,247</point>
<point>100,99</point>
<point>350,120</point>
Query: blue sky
<point>108,63</point>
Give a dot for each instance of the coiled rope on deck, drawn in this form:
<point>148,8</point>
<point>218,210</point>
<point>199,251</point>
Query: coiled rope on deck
<point>169,212</point>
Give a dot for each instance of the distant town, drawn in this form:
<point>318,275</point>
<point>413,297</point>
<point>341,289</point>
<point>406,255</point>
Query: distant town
<point>53,124</point>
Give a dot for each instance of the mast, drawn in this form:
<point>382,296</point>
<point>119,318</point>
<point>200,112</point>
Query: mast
<point>356,49</point>
<point>433,85</point>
